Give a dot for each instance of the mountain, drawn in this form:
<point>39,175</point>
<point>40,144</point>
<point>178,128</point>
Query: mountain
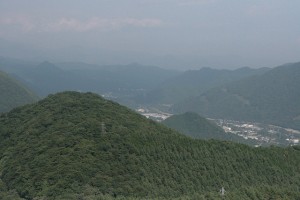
<point>12,65</point>
<point>271,98</point>
<point>195,126</point>
<point>194,82</point>
<point>80,146</point>
<point>13,93</point>
<point>119,82</point>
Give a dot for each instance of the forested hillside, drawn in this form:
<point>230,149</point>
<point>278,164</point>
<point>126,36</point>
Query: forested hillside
<point>271,98</point>
<point>81,146</point>
<point>195,126</point>
<point>13,93</point>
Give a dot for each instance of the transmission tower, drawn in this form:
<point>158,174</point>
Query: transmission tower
<point>222,191</point>
<point>103,128</point>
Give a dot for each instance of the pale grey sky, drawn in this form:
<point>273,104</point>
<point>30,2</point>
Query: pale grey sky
<point>170,33</point>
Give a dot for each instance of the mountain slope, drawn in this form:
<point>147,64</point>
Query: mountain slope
<point>80,146</point>
<point>13,93</point>
<point>195,126</point>
<point>195,82</point>
<point>272,97</point>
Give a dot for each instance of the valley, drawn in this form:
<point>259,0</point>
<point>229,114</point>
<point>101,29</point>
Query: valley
<point>263,134</point>
<point>154,114</point>
<point>260,134</point>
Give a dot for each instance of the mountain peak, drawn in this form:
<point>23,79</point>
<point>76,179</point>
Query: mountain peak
<point>46,65</point>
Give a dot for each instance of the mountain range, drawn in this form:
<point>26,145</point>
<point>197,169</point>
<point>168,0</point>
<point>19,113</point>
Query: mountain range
<point>123,83</point>
<point>256,95</point>
<point>195,82</point>
<point>271,97</point>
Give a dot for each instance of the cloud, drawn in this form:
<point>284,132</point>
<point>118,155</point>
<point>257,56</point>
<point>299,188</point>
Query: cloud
<point>22,22</point>
<point>100,24</point>
<point>258,10</point>
<point>76,25</point>
<point>178,2</point>
<point>195,2</point>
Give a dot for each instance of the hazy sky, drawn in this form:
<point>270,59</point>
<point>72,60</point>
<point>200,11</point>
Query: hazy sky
<point>179,33</point>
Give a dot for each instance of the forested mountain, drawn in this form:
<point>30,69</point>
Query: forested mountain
<point>194,82</point>
<point>80,146</point>
<point>13,93</point>
<point>195,126</point>
<point>271,98</point>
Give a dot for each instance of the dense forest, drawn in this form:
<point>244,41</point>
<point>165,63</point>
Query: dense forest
<point>194,125</point>
<point>80,146</point>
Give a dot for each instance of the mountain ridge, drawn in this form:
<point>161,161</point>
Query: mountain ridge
<point>272,97</point>
<point>195,82</point>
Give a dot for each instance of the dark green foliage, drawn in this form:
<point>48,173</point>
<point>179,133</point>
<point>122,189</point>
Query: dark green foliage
<point>269,98</point>
<point>13,93</point>
<point>195,126</point>
<point>81,146</point>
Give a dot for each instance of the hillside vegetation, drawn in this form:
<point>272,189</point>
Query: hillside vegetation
<point>80,146</point>
<point>13,93</point>
<point>272,98</point>
<point>195,126</point>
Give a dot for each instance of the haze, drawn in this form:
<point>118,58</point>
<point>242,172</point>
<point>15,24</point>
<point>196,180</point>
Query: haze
<point>181,34</point>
